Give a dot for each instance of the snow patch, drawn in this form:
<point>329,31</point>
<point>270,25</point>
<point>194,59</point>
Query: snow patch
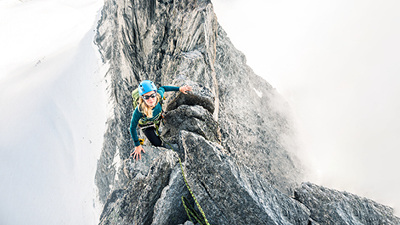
<point>259,93</point>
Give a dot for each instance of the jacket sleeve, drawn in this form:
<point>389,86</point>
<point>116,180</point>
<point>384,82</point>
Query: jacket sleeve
<point>134,122</point>
<point>163,89</point>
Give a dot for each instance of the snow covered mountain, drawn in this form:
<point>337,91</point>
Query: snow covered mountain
<point>54,111</point>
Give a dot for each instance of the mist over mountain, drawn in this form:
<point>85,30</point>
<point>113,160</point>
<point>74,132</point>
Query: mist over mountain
<point>335,63</point>
<point>234,132</point>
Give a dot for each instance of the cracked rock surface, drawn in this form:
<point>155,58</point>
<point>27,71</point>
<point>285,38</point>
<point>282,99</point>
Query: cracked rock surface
<point>233,132</point>
<point>230,192</point>
<point>330,206</point>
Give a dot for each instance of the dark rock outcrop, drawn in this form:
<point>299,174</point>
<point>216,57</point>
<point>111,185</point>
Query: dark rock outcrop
<point>137,200</point>
<point>233,131</point>
<point>330,206</point>
<point>191,118</point>
<point>169,208</point>
<point>180,42</point>
<point>254,120</point>
<point>230,192</point>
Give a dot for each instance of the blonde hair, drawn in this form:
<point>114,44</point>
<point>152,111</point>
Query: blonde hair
<point>144,108</point>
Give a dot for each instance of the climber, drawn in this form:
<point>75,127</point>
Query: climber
<point>148,113</point>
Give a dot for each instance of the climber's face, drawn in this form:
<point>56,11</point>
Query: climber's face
<point>150,98</point>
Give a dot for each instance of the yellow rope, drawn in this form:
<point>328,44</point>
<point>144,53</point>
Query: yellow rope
<point>190,211</point>
<point>191,193</point>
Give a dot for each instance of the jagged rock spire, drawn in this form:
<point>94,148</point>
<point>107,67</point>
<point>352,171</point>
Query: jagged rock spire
<point>234,131</point>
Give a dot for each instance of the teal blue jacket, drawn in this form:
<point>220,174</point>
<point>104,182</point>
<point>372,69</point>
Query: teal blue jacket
<point>137,115</point>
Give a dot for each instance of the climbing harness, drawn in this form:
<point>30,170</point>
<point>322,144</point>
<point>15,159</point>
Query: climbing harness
<point>147,126</point>
<point>144,124</point>
<point>191,212</point>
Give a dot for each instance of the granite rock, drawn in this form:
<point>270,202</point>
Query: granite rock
<point>329,206</point>
<point>230,192</point>
<point>233,132</point>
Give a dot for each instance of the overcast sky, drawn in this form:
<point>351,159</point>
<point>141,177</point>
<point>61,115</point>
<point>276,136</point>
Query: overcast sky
<point>338,65</point>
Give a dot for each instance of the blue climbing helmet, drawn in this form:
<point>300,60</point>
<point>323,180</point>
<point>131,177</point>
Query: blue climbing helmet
<point>146,86</point>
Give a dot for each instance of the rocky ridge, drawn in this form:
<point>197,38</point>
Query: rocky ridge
<point>232,132</point>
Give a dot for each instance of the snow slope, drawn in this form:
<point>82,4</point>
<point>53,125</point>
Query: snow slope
<point>53,100</point>
<point>53,111</point>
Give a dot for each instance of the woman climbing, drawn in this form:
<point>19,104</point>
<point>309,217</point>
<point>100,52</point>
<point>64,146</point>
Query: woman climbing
<point>148,113</point>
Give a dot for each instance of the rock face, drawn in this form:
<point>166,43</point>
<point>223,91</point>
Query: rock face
<point>329,206</point>
<point>230,192</point>
<point>232,132</point>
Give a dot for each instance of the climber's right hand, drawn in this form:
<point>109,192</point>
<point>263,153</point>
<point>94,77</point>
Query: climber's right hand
<point>137,152</point>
